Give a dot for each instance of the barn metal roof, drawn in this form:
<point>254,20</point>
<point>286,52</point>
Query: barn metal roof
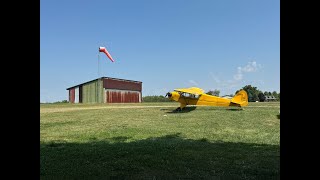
<point>105,78</point>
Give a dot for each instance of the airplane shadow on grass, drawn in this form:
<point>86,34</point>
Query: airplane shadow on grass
<point>185,110</point>
<point>234,109</point>
<point>166,157</point>
<point>192,108</point>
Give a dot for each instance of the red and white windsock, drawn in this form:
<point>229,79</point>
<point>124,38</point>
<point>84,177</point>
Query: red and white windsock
<point>103,49</point>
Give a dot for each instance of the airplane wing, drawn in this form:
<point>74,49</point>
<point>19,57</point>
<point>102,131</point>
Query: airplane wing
<point>192,90</point>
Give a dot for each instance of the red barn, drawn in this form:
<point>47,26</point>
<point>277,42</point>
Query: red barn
<point>106,90</point>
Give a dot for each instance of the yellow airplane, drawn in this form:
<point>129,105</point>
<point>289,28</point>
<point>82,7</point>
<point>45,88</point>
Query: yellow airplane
<point>196,96</point>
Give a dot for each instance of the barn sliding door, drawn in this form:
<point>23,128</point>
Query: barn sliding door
<point>118,96</point>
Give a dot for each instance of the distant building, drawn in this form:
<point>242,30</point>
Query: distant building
<point>106,90</point>
<point>270,98</point>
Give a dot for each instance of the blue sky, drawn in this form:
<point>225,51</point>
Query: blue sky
<point>166,44</point>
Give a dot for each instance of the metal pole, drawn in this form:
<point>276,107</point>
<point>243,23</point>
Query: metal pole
<point>99,65</point>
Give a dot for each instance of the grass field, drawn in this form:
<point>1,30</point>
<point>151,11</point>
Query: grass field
<point>151,141</point>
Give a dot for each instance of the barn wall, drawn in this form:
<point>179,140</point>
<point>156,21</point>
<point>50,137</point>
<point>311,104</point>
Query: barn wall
<point>76,95</point>
<point>122,96</point>
<point>93,92</point>
<point>106,90</point>
<point>71,95</point>
<point>80,94</point>
<point>122,85</point>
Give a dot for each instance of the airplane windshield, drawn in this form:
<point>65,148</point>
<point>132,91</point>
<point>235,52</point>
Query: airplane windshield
<point>188,95</point>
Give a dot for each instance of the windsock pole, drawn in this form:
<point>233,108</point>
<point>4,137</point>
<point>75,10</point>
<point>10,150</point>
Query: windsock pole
<point>98,64</point>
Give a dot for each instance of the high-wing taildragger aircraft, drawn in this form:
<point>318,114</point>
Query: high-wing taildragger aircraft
<point>196,96</point>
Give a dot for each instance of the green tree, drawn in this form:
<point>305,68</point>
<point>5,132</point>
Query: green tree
<point>155,99</point>
<point>261,97</point>
<point>215,92</point>
<point>210,92</point>
<point>63,101</point>
<point>252,93</point>
<point>275,94</point>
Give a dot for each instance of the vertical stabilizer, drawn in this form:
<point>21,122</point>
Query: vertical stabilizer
<point>241,98</point>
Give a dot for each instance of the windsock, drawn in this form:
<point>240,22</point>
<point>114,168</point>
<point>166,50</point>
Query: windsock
<point>104,50</point>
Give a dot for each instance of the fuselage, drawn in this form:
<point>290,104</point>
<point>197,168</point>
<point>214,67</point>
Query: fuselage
<point>203,99</point>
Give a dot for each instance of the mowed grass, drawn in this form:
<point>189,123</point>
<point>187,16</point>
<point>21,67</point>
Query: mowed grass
<point>136,141</point>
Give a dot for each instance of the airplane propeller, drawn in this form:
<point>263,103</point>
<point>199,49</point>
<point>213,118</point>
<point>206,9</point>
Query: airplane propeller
<point>168,94</point>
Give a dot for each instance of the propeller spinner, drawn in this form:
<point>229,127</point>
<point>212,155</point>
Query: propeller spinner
<point>168,94</point>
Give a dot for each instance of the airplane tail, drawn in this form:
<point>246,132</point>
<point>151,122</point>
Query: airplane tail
<point>240,99</point>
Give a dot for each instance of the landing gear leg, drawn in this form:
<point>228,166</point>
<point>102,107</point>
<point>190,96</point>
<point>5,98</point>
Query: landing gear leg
<point>182,106</point>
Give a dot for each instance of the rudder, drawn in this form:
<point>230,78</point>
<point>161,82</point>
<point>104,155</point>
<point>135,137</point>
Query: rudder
<point>241,98</point>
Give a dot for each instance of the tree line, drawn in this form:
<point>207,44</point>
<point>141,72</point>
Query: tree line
<point>254,94</point>
<point>155,99</point>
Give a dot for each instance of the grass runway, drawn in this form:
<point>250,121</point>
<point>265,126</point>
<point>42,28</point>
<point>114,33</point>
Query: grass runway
<point>152,141</point>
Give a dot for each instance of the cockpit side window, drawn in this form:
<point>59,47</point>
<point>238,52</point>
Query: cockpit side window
<point>185,94</point>
<point>188,95</point>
